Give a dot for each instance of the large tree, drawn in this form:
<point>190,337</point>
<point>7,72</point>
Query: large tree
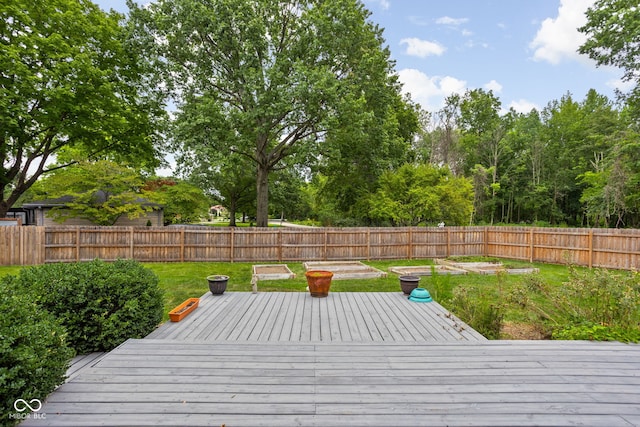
<point>267,78</point>
<point>70,76</point>
<point>614,39</point>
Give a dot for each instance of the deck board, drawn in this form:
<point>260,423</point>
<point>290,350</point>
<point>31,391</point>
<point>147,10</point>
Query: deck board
<point>326,383</point>
<point>350,359</point>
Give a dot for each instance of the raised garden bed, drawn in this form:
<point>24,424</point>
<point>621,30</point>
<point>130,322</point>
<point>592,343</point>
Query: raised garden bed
<point>346,269</point>
<point>425,270</point>
<point>486,267</point>
<point>272,272</point>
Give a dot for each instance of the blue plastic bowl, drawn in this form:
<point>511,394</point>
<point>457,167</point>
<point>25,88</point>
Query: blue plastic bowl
<point>420,295</point>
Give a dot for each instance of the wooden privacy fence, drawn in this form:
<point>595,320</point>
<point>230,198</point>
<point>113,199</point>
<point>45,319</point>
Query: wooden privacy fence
<point>610,248</point>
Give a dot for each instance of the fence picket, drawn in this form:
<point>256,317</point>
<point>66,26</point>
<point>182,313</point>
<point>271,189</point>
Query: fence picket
<point>609,248</point>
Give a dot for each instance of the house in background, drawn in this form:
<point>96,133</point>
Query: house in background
<point>218,210</point>
<point>36,213</point>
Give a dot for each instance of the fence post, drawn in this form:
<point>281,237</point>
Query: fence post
<point>324,249</point>
<point>131,242</point>
<point>368,244</point>
<point>486,242</point>
<point>77,243</point>
<point>231,245</point>
<point>590,247</point>
<point>448,254</point>
<point>410,244</point>
<point>182,245</point>
<point>531,243</point>
<point>41,241</point>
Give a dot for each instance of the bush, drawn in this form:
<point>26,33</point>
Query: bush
<point>599,305</point>
<point>596,332</point>
<point>478,313</point>
<point>100,304</point>
<point>33,352</point>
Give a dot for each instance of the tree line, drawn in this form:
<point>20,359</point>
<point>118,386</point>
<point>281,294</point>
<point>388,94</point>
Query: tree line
<point>293,108</point>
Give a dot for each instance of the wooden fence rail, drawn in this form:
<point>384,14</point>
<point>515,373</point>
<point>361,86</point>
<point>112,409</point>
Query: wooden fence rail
<point>610,248</point>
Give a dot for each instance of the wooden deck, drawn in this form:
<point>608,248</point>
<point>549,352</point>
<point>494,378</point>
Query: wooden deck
<point>238,360</point>
<point>295,316</point>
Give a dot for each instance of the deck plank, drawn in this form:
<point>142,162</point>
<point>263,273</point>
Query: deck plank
<point>349,359</point>
<point>327,383</point>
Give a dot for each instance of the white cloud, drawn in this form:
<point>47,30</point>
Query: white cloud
<point>494,86</point>
<point>430,92</point>
<point>422,48</point>
<point>621,85</point>
<point>384,4</point>
<point>523,106</point>
<point>446,20</point>
<point>558,38</point>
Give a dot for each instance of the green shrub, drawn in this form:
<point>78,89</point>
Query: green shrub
<point>599,305</point>
<point>100,304</point>
<point>601,297</point>
<point>596,332</point>
<point>477,312</point>
<point>33,352</point>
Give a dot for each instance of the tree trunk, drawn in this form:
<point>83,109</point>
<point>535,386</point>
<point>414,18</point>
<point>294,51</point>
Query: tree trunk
<point>233,209</point>
<point>262,208</point>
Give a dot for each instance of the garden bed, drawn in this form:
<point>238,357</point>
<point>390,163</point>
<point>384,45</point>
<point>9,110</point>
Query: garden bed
<point>425,270</point>
<point>486,267</point>
<point>272,272</point>
<point>345,269</point>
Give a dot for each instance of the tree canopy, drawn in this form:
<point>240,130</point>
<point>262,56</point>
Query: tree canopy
<point>70,76</point>
<point>100,192</point>
<point>270,79</point>
<point>417,194</point>
<point>614,39</point>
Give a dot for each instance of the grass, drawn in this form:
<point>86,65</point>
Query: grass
<point>181,281</point>
<point>523,301</point>
<point>188,280</point>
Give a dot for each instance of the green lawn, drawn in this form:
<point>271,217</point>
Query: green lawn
<point>526,301</point>
<point>187,280</point>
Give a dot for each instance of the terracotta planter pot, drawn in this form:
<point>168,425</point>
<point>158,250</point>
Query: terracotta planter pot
<point>409,283</point>
<point>181,311</point>
<point>319,282</point>
<point>217,284</point>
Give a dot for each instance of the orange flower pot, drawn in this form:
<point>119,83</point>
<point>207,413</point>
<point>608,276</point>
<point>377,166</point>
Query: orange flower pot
<point>319,282</point>
<point>181,311</point>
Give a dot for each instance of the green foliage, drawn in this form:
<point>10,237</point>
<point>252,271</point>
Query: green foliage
<point>600,297</point>
<point>422,193</point>
<point>183,202</point>
<point>596,332</point>
<point>269,80</point>
<point>481,314</point>
<point>100,192</point>
<point>613,38</point>
<point>100,304</point>
<point>34,354</point>
<point>71,76</point>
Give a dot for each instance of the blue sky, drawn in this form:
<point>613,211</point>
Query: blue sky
<point>523,50</point>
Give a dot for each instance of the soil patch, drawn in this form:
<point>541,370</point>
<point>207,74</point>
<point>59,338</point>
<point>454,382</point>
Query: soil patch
<point>522,331</point>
